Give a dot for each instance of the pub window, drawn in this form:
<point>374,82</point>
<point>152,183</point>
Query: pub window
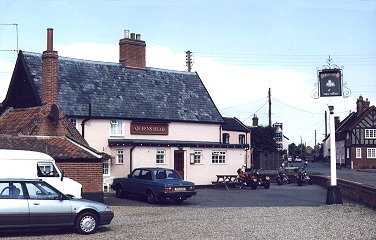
<point>241,139</point>
<point>198,156</point>
<point>116,127</point>
<point>218,157</point>
<point>106,167</point>
<point>371,152</point>
<point>358,153</point>
<point>226,138</point>
<point>120,156</point>
<point>370,133</point>
<point>160,157</point>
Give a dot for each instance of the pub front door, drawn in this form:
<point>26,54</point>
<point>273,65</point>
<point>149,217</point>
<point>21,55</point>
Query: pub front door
<point>179,162</point>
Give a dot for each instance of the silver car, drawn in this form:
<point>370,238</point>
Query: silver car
<point>31,203</point>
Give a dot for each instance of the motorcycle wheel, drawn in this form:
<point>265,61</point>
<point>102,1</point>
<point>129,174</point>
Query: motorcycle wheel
<point>267,185</point>
<point>238,184</point>
<point>300,182</point>
<point>253,186</point>
<point>288,181</point>
<point>279,181</point>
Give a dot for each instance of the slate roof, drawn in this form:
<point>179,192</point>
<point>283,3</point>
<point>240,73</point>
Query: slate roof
<point>118,92</point>
<point>234,124</point>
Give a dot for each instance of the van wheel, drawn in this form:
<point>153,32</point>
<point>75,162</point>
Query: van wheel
<point>86,223</point>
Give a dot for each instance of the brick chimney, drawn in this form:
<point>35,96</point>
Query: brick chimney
<point>49,72</point>
<point>132,52</point>
<point>362,104</point>
<point>255,120</point>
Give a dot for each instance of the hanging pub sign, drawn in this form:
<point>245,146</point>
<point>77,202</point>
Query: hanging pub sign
<point>330,82</point>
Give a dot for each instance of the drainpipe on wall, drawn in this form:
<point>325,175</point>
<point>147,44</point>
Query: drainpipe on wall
<point>85,120</point>
<point>131,159</point>
<point>220,134</point>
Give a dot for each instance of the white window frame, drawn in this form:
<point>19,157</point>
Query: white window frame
<point>371,152</point>
<point>197,156</point>
<point>370,133</point>
<point>241,139</point>
<point>358,153</point>
<point>219,157</point>
<point>119,156</point>
<point>116,127</point>
<point>73,121</point>
<point>106,167</point>
<point>160,156</point>
<point>226,138</point>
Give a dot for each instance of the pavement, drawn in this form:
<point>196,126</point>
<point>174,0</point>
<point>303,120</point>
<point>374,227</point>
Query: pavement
<point>362,176</point>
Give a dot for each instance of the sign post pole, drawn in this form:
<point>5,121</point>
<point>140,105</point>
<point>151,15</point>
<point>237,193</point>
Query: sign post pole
<point>333,195</point>
<point>330,85</point>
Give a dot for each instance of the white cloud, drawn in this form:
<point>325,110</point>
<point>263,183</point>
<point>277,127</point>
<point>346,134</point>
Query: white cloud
<point>90,51</point>
<point>6,70</point>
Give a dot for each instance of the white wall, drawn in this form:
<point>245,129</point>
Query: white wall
<point>97,133</point>
<point>200,174</point>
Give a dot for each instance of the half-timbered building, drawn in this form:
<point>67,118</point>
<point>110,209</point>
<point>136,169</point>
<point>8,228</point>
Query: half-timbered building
<point>356,137</point>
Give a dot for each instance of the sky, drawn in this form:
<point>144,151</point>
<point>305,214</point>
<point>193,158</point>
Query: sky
<point>241,49</point>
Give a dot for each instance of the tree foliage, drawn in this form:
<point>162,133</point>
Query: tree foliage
<point>263,138</point>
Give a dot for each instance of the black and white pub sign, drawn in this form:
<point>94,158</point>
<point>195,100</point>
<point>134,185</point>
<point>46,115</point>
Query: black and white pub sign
<point>330,82</point>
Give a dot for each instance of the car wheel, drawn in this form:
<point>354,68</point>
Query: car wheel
<point>150,197</point>
<point>178,201</point>
<point>119,191</point>
<point>86,223</point>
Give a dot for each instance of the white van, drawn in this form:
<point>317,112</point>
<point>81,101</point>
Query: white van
<point>36,165</point>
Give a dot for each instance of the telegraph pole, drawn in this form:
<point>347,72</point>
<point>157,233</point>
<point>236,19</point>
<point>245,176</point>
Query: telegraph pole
<point>188,60</point>
<point>270,108</point>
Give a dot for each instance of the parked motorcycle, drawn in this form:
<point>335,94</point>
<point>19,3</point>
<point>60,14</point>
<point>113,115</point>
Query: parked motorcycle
<point>282,177</point>
<point>242,180</point>
<point>259,179</point>
<point>302,177</point>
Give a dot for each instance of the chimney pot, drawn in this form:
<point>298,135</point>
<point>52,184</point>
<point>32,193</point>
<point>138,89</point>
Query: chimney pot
<point>126,33</point>
<point>133,35</point>
<point>138,36</point>
<point>50,39</point>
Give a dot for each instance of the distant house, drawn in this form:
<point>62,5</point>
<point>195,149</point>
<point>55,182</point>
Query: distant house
<point>355,137</point>
<point>46,129</point>
<point>235,132</point>
<point>138,115</point>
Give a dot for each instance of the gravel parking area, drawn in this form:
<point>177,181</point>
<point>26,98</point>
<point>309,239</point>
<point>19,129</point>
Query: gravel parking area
<point>136,219</point>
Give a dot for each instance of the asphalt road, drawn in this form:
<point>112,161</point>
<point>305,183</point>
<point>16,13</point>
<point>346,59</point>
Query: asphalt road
<point>362,176</point>
<point>275,196</point>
